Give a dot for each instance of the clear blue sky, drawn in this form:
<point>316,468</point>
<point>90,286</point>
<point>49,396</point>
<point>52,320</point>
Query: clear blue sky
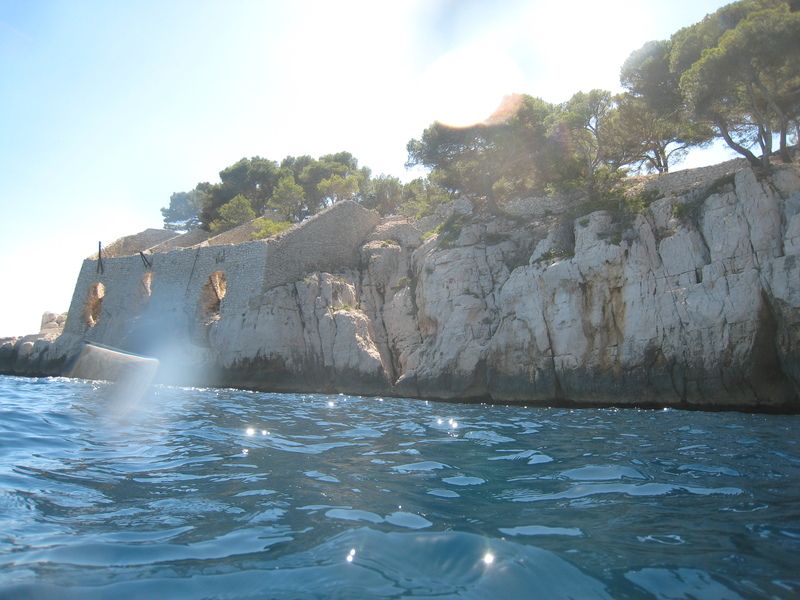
<point>108,107</point>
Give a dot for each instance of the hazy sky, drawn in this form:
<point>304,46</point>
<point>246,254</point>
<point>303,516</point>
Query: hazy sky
<point>108,107</point>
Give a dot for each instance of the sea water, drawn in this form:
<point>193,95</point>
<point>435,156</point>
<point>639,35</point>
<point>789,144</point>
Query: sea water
<point>207,493</point>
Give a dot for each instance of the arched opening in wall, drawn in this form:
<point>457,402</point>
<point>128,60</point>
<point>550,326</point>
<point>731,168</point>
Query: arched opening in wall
<point>143,292</point>
<point>93,305</point>
<point>212,295</point>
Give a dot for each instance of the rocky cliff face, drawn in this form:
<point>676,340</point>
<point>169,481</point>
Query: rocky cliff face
<point>698,310</point>
<point>692,302</point>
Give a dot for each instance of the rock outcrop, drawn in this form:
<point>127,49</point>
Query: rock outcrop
<point>30,354</point>
<point>693,301</point>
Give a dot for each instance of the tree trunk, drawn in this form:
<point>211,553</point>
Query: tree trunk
<point>784,148</point>
<point>751,158</point>
<point>491,203</point>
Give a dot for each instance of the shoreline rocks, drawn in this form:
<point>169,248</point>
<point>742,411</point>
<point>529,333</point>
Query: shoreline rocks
<point>693,303</point>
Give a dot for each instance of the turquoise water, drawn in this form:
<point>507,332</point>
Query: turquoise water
<point>201,493</point>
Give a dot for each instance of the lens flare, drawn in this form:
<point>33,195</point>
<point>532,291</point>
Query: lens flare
<point>467,86</point>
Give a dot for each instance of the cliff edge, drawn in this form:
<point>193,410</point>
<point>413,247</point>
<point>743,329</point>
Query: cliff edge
<point>690,301</point>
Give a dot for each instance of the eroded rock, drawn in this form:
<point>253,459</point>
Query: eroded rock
<point>693,303</point>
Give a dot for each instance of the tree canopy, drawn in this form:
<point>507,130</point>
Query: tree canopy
<point>232,214</point>
<point>511,153</point>
<point>296,188</point>
<point>736,72</point>
<point>734,76</point>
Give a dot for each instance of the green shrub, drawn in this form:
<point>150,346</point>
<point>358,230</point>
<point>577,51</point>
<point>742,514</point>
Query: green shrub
<point>718,186</point>
<point>449,231</point>
<point>554,253</point>
<point>682,212</point>
<point>267,228</point>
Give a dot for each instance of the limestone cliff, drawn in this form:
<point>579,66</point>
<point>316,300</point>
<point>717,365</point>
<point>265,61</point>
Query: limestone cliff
<point>692,301</point>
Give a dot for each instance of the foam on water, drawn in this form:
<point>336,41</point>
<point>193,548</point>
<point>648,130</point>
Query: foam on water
<point>199,493</point>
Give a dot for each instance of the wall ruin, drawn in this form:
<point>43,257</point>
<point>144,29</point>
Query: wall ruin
<point>165,303</point>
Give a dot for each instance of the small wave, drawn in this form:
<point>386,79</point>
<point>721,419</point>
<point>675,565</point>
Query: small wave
<point>541,530</point>
<point>464,480</point>
<point>429,465</point>
<point>215,493</point>
<point>363,563</point>
<point>398,518</point>
<point>534,457</point>
<point>640,490</point>
<point>595,473</point>
<point>683,583</point>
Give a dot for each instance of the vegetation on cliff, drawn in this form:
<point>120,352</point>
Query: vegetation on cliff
<point>734,76</point>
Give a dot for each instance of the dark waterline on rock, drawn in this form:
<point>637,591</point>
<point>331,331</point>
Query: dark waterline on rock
<point>203,493</point>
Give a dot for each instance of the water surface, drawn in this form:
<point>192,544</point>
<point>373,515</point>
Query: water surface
<point>202,493</point>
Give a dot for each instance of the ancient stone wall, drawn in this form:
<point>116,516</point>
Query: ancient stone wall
<point>244,233</point>
<point>324,242</point>
<point>237,235</point>
<point>535,208</point>
<point>131,301</point>
<point>193,237</point>
<point>133,244</point>
<point>686,180</point>
<point>667,184</point>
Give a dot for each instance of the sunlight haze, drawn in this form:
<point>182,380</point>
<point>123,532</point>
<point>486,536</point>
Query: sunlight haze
<point>110,107</point>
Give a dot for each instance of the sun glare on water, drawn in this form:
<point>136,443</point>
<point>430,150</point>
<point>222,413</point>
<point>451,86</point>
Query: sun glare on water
<point>466,86</point>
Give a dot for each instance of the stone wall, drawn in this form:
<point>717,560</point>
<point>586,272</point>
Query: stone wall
<point>193,237</point>
<point>106,302</point>
<point>682,182</point>
<point>237,235</point>
<point>133,244</point>
<point>535,208</point>
<point>244,233</point>
<point>667,184</point>
<point>172,304</point>
<point>326,241</point>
